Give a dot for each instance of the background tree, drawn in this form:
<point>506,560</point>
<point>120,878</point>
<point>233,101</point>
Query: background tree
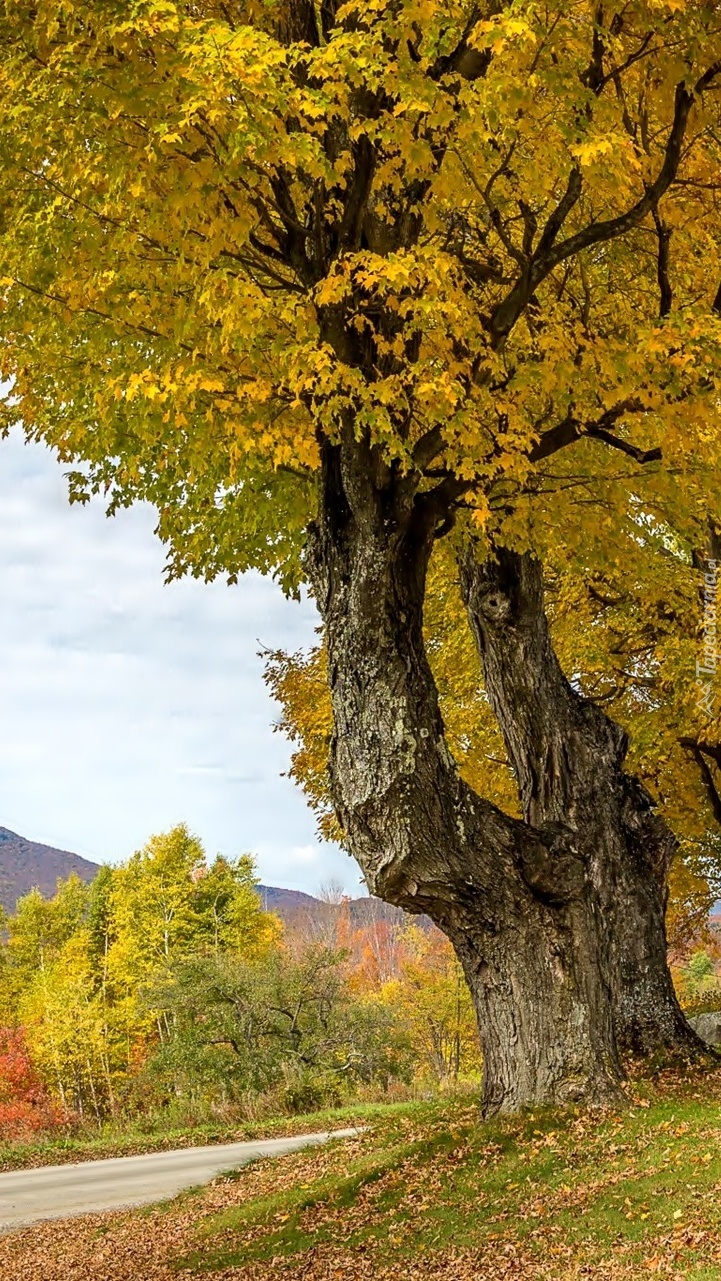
<point>458,264</point>
<point>71,1040</point>
<point>230,916</point>
<point>430,998</point>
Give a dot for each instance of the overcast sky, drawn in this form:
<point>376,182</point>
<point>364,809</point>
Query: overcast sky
<point>127,705</point>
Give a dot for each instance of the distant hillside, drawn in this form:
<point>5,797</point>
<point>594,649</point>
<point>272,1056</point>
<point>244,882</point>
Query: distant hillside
<point>25,864</point>
<point>285,902</point>
<point>294,905</point>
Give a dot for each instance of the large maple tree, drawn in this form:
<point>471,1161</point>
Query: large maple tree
<point>330,282</point>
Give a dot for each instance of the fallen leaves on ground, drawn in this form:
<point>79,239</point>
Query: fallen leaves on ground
<point>558,1197</point>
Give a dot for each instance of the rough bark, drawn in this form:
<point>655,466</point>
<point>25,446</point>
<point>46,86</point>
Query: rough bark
<point>514,901</point>
<point>568,757</point>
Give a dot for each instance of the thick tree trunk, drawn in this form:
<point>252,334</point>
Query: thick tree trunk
<point>515,904</point>
<point>541,1003</point>
<point>568,759</point>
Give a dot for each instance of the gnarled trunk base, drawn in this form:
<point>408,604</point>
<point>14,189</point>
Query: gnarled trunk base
<point>544,1020</point>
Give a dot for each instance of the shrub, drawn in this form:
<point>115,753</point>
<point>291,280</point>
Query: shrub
<point>25,1106</point>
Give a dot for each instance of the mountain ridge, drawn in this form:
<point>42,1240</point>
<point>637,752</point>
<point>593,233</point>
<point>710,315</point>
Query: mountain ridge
<point>26,864</point>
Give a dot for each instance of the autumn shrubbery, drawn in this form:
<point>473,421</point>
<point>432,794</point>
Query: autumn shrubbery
<point>26,1107</point>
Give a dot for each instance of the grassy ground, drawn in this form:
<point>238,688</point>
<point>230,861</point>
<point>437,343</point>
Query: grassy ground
<point>129,1140</point>
<point>430,1192</point>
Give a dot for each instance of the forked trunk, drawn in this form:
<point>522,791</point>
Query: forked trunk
<point>515,903</point>
<point>568,759</point>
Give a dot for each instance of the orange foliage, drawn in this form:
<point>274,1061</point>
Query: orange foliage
<point>25,1106</point>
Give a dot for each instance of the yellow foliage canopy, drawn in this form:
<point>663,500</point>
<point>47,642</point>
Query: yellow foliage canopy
<point>209,210</point>
<point>487,235</point>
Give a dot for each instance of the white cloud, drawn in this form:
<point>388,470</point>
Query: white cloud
<point>127,705</point>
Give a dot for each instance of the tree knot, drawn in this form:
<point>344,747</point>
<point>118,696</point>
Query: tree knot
<point>552,866</point>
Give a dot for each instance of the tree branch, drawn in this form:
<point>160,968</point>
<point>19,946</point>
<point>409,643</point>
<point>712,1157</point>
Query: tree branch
<point>571,429</point>
<point>546,258</point>
<point>428,447</point>
<point>639,455</point>
<point>700,752</point>
<point>663,233</point>
<point>560,213</point>
<point>467,62</point>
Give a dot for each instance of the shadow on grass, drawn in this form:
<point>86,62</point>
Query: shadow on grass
<point>637,1184</point>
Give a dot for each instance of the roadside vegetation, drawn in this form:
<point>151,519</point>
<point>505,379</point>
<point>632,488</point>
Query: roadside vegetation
<point>132,1138</point>
<point>162,1006</point>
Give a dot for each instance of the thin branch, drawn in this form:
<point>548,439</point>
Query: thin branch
<point>571,429</point>
<point>616,72</point>
<point>556,220</point>
<point>642,456</point>
<point>700,754</point>
<point>549,254</point>
<point>663,232</point>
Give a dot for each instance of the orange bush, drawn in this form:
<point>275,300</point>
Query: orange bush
<point>25,1105</point>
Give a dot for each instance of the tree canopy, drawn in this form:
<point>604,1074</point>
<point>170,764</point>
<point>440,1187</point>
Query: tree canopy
<point>488,230</point>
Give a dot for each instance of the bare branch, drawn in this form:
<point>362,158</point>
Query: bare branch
<point>663,232</point>
<point>571,429</point>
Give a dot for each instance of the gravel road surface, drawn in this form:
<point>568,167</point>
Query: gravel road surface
<point>62,1191</point>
